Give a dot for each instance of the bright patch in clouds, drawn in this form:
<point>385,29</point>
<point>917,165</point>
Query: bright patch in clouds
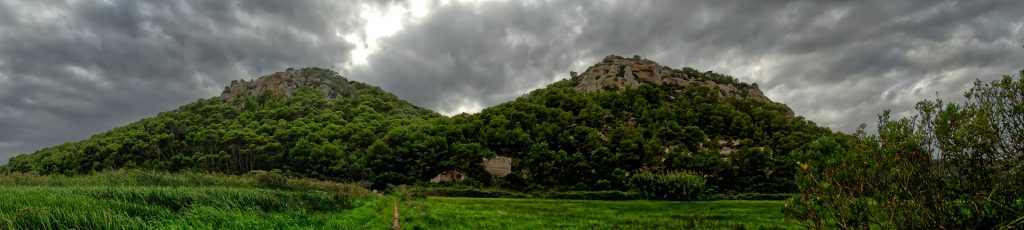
<point>382,22</point>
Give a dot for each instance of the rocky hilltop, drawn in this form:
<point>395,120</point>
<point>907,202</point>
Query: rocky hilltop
<point>286,83</point>
<point>616,73</point>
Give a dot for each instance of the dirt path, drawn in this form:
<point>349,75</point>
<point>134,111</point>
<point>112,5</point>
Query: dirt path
<point>395,225</point>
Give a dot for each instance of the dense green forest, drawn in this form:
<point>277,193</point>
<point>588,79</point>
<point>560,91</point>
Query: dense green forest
<point>560,138</point>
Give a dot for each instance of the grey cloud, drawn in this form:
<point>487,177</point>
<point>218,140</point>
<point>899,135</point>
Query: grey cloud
<point>74,69</point>
<point>461,54</point>
<point>836,63</point>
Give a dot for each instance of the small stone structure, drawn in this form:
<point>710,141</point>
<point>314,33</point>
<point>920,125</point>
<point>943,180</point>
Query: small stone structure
<point>499,166</point>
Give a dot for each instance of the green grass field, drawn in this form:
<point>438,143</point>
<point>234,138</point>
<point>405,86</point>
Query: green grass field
<point>146,200</point>
<point>500,213</point>
<point>151,200</point>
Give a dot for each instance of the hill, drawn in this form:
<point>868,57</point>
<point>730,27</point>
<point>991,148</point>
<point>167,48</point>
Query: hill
<point>626,115</point>
<point>589,132</point>
<point>299,121</point>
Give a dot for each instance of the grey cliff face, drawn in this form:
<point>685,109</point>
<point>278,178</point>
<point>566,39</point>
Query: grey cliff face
<point>618,73</point>
<point>286,84</point>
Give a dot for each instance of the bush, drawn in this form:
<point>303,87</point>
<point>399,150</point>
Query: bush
<point>668,186</point>
<point>469,192</point>
<point>750,196</point>
<point>498,193</point>
<point>951,166</point>
<point>271,180</point>
<point>404,192</point>
<point>594,195</point>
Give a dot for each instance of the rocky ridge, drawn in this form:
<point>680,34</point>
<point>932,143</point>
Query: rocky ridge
<point>288,82</point>
<point>616,73</point>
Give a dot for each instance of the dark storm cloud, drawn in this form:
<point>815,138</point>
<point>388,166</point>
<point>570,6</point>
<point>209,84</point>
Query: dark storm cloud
<point>69,70</point>
<point>468,57</point>
<point>72,69</point>
<point>838,63</point>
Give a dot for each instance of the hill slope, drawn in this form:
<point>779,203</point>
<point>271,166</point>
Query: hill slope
<point>596,128</point>
<point>298,121</point>
<point>589,132</point>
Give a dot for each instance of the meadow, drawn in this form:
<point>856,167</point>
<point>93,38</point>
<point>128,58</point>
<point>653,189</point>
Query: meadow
<point>150,200</point>
<point>505,213</point>
<point>129,199</point>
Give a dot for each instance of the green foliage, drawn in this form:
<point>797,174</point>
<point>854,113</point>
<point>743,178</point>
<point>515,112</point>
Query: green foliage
<point>269,179</point>
<point>404,192</point>
<point>832,189</point>
<point>595,195</point>
<point>138,178</point>
<point>952,166</point>
<point>560,138</point>
<point>501,213</point>
<point>502,193</point>
<point>469,192</point>
<point>301,135</point>
<point>668,186</point>
<point>150,200</point>
<point>751,196</point>
<point>564,139</point>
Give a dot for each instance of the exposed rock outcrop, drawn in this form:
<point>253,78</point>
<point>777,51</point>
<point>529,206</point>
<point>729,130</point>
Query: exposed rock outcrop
<point>616,73</point>
<point>448,176</point>
<point>499,166</point>
<point>288,82</point>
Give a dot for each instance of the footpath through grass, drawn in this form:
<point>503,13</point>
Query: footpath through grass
<point>502,213</point>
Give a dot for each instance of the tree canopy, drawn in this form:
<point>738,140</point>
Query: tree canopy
<point>558,138</point>
<point>951,166</point>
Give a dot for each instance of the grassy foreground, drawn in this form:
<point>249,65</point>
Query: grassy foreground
<point>152,200</point>
<point>147,200</point>
<point>501,213</point>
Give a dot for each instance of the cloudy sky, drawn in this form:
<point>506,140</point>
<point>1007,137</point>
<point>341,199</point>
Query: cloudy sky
<point>70,69</point>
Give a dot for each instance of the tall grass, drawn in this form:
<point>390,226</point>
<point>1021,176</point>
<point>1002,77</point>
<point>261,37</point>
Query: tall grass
<point>185,179</point>
<point>668,186</point>
<point>504,213</point>
<point>154,200</point>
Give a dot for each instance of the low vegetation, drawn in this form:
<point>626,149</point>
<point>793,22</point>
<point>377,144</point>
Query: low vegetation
<point>502,213</point>
<point>266,200</point>
<point>952,166</point>
<point>150,200</point>
<point>668,186</point>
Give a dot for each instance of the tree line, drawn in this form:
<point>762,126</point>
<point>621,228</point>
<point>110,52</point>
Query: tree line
<point>559,138</point>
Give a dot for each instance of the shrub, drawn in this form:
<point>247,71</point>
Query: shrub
<point>750,196</point>
<point>594,195</point>
<point>469,192</point>
<point>952,166</point>
<point>255,179</point>
<point>668,186</point>
<point>404,192</point>
<point>271,180</point>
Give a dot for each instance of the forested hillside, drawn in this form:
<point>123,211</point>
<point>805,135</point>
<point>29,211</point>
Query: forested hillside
<point>583,133</point>
<point>302,134</point>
